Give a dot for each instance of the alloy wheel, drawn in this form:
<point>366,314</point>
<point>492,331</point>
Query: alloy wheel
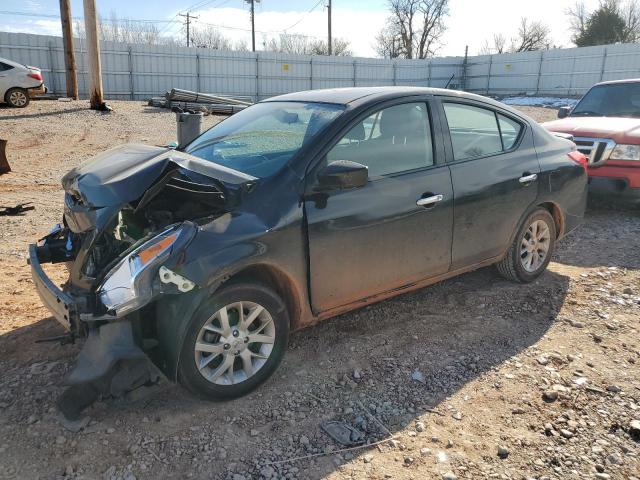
<point>534,247</point>
<point>234,343</point>
<point>18,98</point>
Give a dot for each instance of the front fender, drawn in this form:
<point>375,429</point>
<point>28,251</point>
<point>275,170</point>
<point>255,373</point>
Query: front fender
<point>220,250</point>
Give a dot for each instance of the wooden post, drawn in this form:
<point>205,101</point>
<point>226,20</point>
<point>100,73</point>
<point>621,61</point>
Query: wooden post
<point>96,96</point>
<point>69,53</point>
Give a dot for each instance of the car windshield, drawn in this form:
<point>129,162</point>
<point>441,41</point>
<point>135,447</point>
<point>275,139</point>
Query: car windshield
<point>613,100</point>
<point>261,139</point>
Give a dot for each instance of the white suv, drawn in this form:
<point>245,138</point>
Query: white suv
<point>18,83</point>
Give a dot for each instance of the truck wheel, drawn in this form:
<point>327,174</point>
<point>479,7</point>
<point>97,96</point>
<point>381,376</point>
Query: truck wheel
<point>531,250</point>
<point>234,342</point>
<point>17,97</point>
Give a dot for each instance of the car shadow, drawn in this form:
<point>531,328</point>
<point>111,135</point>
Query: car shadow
<point>379,369</point>
<point>39,114</point>
<point>595,245</point>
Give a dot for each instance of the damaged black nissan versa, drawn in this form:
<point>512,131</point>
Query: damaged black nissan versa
<point>198,262</point>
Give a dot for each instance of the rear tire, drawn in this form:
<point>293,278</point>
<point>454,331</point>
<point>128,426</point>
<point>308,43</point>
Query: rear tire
<point>227,354</point>
<point>17,97</point>
<point>531,250</point>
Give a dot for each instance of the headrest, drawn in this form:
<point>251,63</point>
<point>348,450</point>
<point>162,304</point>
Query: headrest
<point>401,121</point>
<point>356,133</point>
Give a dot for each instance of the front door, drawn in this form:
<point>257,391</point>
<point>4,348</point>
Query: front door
<point>392,232</point>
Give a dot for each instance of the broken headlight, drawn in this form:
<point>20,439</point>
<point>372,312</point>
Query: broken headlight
<point>128,286</point>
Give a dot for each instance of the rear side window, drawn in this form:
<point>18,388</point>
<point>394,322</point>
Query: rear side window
<point>476,132</point>
<point>510,130</point>
<point>4,66</point>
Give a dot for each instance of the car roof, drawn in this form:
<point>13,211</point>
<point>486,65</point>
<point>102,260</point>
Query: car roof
<point>613,82</point>
<point>11,62</point>
<point>359,95</point>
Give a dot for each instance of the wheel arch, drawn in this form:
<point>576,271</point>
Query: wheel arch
<point>558,217</point>
<point>276,279</point>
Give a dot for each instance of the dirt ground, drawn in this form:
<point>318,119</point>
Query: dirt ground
<point>475,377</point>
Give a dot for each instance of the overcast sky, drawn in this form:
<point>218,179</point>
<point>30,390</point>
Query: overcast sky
<point>471,22</point>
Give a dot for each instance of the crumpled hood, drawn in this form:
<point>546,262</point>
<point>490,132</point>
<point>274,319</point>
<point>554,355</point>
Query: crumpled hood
<point>620,129</point>
<point>123,174</point>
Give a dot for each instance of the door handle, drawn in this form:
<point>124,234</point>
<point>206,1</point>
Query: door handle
<point>428,201</point>
<point>528,178</point>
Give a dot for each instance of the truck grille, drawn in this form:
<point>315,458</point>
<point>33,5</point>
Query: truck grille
<point>597,150</point>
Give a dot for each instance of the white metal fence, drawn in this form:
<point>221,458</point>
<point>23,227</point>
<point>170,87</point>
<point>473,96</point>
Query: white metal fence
<point>140,71</point>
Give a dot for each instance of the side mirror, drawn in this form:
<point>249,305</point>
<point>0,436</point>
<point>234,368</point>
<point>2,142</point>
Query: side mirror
<point>343,174</point>
<point>564,112</point>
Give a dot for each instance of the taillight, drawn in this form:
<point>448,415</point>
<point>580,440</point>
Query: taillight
<point>579,157</point>
<point>35,75</point>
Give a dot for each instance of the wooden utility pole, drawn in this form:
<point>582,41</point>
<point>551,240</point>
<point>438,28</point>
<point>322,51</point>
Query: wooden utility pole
<point>69,53</point>
<point>93,56</point>
<point>253,23</point>
<point>189,17</point>
<point>329,37</point>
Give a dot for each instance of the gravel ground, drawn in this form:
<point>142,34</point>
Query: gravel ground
<point>475,377</point>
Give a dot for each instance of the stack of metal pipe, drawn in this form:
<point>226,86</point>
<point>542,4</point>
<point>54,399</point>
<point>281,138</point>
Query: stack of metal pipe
<point>178,95</point>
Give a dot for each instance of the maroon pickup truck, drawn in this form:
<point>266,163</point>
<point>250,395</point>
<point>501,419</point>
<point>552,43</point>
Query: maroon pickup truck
<point>605,125</point>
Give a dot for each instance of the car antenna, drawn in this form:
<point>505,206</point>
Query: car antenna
<point>449,81</point>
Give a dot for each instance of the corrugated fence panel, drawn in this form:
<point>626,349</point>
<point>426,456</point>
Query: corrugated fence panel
<point>141,71</point>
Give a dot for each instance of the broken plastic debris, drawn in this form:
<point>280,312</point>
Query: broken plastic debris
<point>167,276</point>
<point>418,377</point>
<point>342,433</point>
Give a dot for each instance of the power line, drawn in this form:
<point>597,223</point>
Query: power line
<point>173,21</point>
<point>304,16</point>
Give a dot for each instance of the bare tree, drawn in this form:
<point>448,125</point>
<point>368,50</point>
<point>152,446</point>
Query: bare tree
<point>499,45</point>
<point>386,43</point>
<point>611,22</point>
<point>578,17</point>
<point>415,26</point>
<point>631,14</point>
<point>210,37</point>
<point>531,36</point>
<point>125,30</point>
<point>303,45</point>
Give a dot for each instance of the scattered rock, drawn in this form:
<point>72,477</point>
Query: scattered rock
<point>417,376</point>
<point>449,476</point>
<point>503,452</point>
<point>566,433</point>
<point>420,427</point>
<point>613,389</point>
<point>368,458</point>
<point>550,396</point>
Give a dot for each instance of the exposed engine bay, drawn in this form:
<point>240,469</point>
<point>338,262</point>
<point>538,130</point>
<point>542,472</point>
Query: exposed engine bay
<point>129,216</point>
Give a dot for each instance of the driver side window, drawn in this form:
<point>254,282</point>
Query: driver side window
<point>391,140</point>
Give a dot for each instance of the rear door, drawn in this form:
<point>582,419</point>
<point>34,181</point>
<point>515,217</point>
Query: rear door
<point>494,169</point>
<point>394,231</point>
<point>6,74</point>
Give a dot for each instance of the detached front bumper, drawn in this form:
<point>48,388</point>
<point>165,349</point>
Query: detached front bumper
<point>110,362</point>
<point>63,306</point>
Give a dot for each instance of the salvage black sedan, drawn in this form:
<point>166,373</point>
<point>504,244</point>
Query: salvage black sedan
<point>199,262</point>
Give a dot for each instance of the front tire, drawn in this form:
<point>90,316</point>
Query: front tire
<point>531,250</point>
<point>234,342</point>
<point>17,97</point>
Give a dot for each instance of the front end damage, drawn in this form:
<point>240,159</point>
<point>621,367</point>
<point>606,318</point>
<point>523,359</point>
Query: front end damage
<point>129,218</point>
